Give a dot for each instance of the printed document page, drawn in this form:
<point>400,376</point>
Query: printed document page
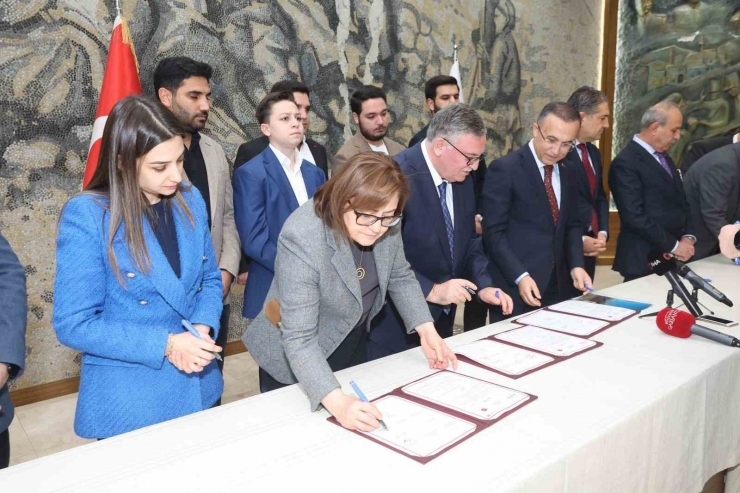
<point>502,357</point>
<point>546,341</point>
<point>570,324</point>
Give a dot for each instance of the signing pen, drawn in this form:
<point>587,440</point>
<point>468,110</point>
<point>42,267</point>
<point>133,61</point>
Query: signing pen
<point>589,288</point>
<point>195,333</point>
<point>364,399</point>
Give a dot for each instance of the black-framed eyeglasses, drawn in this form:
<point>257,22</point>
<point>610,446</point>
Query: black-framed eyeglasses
<point>552,141</point>
<point>471,160</point>
<point>368,219</point>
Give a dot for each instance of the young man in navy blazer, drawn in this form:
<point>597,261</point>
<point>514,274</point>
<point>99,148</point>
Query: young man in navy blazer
<point>593,207</point>
<point>438,229</point>
<point>267,189</point>
<point>530,209</point>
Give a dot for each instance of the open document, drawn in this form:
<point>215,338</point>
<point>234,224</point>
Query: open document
<point>418,430</point>
<point>593,310</point>
<point>503,358</point>
<point>546,341</point>
<point>467,395</point>
<point>570,324</point>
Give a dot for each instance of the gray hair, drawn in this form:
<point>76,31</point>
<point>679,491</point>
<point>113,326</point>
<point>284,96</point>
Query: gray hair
<point>587,99</point>
<point>658,113</point>
<point>454,121</point>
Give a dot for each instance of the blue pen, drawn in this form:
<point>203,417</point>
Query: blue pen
<point>589,288</point>
<point>195,333</point>
<point>496,294</point>
<point>364,399</point>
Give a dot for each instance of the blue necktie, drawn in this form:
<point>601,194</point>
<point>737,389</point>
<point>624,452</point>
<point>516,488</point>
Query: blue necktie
<point>448,219</point>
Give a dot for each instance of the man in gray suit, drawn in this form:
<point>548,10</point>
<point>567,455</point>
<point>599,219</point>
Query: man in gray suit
<point>712,188</point>
<point>12,337</point>
<point>182,85</point>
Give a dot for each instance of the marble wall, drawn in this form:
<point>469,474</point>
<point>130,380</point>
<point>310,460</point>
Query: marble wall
<point>515,56</point>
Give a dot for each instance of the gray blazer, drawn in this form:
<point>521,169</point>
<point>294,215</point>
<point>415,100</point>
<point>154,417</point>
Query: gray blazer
<point>321,302</point>
<point>12,322</point>
<point>356,145</point>
<point>223,228</point>
<point>712,188</point>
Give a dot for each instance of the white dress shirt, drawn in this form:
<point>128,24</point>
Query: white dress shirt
<point>305,153</point>
<point>295,177</point>
<point>736,139</point>
<point>651,150</point>
<point>381,148</point>
<point>580,156</point>
<point>438,181</point>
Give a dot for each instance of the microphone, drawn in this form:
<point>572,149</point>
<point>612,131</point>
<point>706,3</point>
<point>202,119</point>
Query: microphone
<point>664,264</point>
<point>699,283</point>
<point>678,323</point>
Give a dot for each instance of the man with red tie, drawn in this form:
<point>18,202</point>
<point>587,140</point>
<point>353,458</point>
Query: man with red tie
<point>593,207</point>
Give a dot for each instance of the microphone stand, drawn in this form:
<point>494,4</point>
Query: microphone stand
<point>695,297</point>
<point>678,288</point>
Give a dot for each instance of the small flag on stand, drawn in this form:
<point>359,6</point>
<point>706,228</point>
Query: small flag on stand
<point>121,79</point>
<point>455,72</point>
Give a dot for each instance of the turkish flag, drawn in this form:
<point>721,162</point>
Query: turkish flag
<point>121,79</point>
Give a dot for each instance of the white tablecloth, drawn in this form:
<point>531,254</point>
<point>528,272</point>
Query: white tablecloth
<point>644,413</point>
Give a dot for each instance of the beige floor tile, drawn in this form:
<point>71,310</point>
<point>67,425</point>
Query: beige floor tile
<point>15,460</point>
<point>49,425</point>
<point>20,445</point>
<point>240,377</point>
<point>606,277</point>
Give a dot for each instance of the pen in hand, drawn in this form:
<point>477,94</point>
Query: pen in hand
<point>189,327</point>
<point>364,399</point>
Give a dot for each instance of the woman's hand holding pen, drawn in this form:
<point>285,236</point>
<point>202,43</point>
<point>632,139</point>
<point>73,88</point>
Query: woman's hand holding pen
<point>190,354</point>
<point>435,349</point>
<point>351,412</point>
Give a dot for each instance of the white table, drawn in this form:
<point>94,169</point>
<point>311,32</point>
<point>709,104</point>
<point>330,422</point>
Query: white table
<point>644,413</point>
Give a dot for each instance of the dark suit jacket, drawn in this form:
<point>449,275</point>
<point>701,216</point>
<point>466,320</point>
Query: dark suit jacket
<point>587,202</point>
<point>518,229</point>
<point>12,322</point>
<point>426,246</point>
<point>713,192</point>
<point>249,150</point>
<point>263,200</point>
<point>653,211</point>
<point>702,147</point>
<point>479,175</point>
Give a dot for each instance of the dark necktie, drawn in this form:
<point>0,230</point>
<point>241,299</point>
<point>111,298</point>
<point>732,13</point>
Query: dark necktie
<point>591,183</point>
<point>664,163</point>
<point>551,194</point>
<point>448,219</point>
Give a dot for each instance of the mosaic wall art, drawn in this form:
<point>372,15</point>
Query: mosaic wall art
<point>515,56</point>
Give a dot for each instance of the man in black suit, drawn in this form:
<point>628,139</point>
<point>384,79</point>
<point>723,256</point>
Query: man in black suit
<point>310,150</point>
<point>593,207</point>
<point>530,214</point>
<point>438,228</point>
<point>440,92</point>
<point>647,188</point>
<point>12,337</point>
<point>712,189</point>
<point>702,147</point>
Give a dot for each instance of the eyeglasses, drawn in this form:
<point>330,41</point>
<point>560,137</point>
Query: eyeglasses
<point>471,160</point>
<point>368,219</point>
<point>552,141</point>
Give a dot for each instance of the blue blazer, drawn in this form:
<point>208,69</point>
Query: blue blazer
<point>126,382</point>
<point>519,231</point>
<point>427,249</point>
<point>263,200</point>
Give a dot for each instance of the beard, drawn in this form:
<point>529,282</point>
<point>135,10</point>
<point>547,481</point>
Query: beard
<point>373,135</point>
<point>189,119</point>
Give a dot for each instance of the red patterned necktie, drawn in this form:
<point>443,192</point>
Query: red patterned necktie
<point>591,183</point>
<point>551,194</point>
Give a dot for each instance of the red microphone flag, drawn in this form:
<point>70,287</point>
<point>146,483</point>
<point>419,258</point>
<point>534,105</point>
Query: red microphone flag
<point>121,79</point>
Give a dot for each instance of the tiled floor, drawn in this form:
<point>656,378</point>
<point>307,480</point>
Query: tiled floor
<point>45,428</point>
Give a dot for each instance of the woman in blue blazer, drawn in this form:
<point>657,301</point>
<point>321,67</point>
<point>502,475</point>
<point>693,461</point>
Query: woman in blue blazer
<point>135,260</point>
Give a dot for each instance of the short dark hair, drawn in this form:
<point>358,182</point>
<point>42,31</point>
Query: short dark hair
<point>264,109</point>
<point>363,94</point>
<point>170,72</point>
<point>562,110</point>
<point>430,88</point>
<point>290,86</point>
<point>587,99</point>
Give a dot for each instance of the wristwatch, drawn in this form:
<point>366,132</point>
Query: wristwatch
<point>12,371</point>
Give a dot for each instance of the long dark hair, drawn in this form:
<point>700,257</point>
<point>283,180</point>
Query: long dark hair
<point>135,126</point>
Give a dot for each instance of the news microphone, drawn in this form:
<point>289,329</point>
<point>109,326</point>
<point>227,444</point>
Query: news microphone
<point>664,264</point>
<point>678,323</point>
<point>699,283</point>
